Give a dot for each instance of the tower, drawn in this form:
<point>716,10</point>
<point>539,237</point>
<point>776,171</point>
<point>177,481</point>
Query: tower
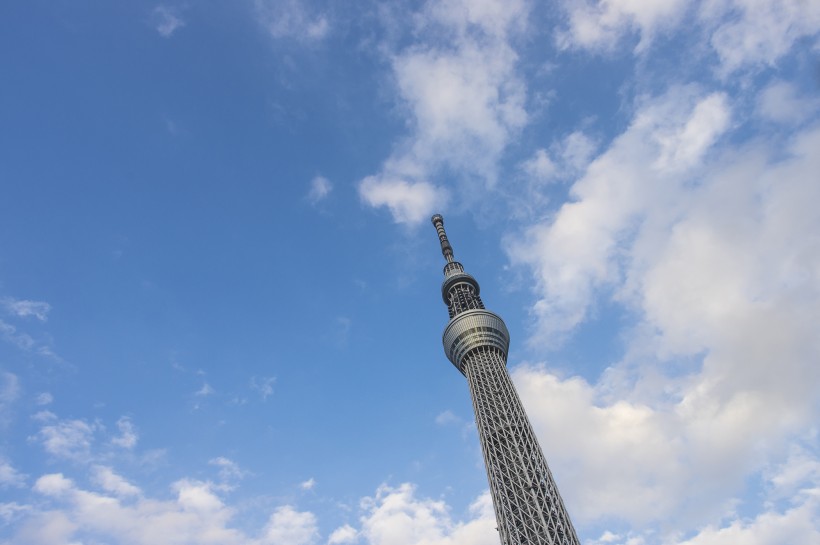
<point>528,508</point>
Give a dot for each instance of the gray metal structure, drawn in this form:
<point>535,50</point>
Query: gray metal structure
<point>528,508</point>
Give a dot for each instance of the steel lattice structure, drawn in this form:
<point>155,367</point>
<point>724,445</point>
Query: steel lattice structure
<point>528,508</point>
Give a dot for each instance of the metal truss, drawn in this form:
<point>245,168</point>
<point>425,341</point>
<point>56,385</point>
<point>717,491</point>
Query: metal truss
<point>528,507</point>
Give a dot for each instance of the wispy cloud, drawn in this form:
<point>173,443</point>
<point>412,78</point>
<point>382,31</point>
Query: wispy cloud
<point>128,436</point>
<point>23,341</point>
<point>229,471</point>
<point>9,476</point>
<point>108,480</point>
<point>742,33</point>
<point>23,308</point>
<point>292,19</point>
<point>67,439</point>
<point>263,385</point>
<point>9,394</point>
<point>206,390</point>
<point>167,20</point>
<point>320,188</point>
<point>308,484</point>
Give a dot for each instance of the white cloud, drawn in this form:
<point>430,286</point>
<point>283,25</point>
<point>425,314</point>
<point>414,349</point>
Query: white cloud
<point>9,476</point>
<point>24,341</point>
<point>10,511</point>
<point>758,32</point>
<point>343,534</point>
<point>540,166</point>
<point>54,484</point>
<point>109,481</point>
<point>714,248</point>
<point>308,484</point>
<point>44,398</point>
<point>128,434</point>
<point>320,188</point>
<point>197,515</point>
<point>743,33</point>
<point>23,308</point>
<point>9,393</point>
<point>70,439</point>
<point>206,390</point>
<point>567,158</point>
<point>263,385</point>
<point>577,252</point>
<point>683,146</point>
<point>167,20</point>
<point>447,417</point>
<point>601,24</point>
<point>228,469</point>
<point>798,524</point>
<point>290,19</point>
<point>44,416</point>
<point>286,525</point>
<point>464,101</point>
<point>408,202</point>
<point>780,102</point>
<point>395,516</point>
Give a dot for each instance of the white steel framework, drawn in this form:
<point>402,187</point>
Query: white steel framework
<point>528,508</point>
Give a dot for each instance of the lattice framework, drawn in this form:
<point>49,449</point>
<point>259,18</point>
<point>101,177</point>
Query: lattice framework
<point>528,508</point>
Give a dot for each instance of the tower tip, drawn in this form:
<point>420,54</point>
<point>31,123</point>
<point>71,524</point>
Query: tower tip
<point>446,249</point>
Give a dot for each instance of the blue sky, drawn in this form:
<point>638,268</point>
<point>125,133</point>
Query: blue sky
<point>220,314</point>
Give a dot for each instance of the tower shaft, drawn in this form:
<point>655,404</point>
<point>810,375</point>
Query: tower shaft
<point>528,507</point>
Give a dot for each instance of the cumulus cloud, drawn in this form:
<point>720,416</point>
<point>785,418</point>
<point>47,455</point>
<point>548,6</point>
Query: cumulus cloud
<point>308,484</point>
<point>408,202</point>
<point>396,516</point>
<point>343,534</point>
<point>464,102</point>
<point>715,250</point>
<point>797,524</point>
<point>196,515</point>
<point>576,251</point>
<point>287,525</point>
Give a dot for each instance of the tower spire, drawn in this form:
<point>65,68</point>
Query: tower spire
<point>446,249</point>
<point>528,508</point>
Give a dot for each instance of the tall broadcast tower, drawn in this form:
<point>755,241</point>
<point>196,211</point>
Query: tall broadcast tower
<point>528,508</point>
